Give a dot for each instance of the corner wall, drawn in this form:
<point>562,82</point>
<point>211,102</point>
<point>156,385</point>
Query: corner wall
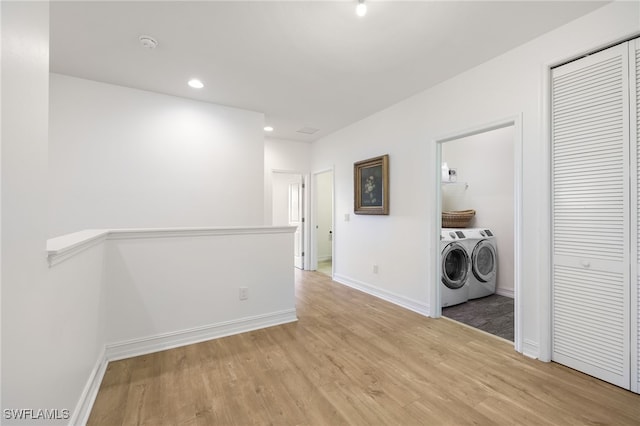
<point>402,244</point>
<point>50,336</point>
<point>131,292</point>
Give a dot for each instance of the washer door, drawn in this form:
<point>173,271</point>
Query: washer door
<point>455,266</point>
<point>483,261</point>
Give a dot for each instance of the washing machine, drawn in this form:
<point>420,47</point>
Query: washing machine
<point>482,250</point>
<point>456,267</point>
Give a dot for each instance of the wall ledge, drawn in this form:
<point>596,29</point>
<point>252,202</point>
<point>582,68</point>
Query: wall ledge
<point>125,234</point>
<point>67,246</point>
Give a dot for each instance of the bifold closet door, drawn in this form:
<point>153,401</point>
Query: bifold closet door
<point>591,215</point>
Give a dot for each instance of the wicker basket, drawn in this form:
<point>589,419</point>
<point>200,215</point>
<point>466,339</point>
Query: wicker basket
<point>457,219</point>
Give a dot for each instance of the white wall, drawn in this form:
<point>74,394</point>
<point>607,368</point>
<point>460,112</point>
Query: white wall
<point>403,243</point>
<point>50,324</point>
<point>79,323</point>
<point>486,163</point>
<point>160,287</point>
<point>324,210</point>
<point>126,158</point>
<point>286,155</point>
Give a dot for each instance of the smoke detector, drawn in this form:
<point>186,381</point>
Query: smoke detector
<point>148,42</point>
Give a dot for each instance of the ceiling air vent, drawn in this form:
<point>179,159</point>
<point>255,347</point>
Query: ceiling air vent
<point>308,130</point>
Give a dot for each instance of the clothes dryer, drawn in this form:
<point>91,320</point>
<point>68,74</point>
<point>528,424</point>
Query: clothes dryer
<point>456,267</point>
<point>482,250</point>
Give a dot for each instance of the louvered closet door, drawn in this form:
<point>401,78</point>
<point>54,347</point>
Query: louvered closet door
<point>634,57</point>
<point>591,224</point>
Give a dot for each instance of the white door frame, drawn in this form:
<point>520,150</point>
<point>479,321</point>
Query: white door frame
<point>313,258</point>
<point>434,283</point>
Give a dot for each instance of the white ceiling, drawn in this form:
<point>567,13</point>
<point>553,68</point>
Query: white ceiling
<point>304,64</point>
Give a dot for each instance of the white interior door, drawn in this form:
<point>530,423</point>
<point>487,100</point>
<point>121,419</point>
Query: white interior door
<point>591,215</point>
<point>287,208</point>
<point>296,197</point>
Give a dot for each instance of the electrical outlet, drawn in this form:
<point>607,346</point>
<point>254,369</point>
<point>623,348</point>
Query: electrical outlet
<point>375,269</point>
<point>244,293</point>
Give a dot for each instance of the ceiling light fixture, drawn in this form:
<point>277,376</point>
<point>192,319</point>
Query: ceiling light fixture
<point>195,83</point>
<point>268,129</point>
<point>148,42</point>
<point>361,8</point>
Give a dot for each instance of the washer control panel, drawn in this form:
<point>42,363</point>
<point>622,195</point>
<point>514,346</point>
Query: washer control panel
<point>456,235</point>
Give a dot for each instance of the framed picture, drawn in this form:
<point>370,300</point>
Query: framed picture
<point>371,186</point>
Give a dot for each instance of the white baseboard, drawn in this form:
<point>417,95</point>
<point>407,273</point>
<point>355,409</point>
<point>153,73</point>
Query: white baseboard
<point>530,349</point>
<point>80,415</point>
<point>396,299</point>
<point>323,258</point>
<point>505,292</point>
<point>161,342</point>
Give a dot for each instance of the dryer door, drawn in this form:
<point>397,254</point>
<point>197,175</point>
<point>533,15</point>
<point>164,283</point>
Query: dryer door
<point>483,261</point>
<point>455,266</point>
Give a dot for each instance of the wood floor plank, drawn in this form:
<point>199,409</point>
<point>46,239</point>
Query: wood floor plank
<point>353,359</point>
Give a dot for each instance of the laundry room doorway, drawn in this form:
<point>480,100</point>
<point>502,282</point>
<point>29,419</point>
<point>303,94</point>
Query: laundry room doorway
<point>480,179</point>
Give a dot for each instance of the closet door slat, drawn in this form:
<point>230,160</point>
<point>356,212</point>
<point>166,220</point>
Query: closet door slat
<point>591,224</point>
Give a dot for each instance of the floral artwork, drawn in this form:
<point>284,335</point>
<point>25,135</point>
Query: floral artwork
<point>371,184</point>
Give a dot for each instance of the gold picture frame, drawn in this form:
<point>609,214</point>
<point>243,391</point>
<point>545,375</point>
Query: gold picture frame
<point>371,186</point>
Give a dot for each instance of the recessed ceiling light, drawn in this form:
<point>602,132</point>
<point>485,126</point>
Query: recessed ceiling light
<point>195,83</point>
<point>268,129</point>
<point>148,42</point>
<point>361,8</point>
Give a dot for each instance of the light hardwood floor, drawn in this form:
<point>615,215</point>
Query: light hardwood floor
<point>354,359</point>
<point>325,267</point>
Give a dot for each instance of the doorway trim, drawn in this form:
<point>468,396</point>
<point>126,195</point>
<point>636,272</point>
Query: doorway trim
<point>313,194</point>
<point>434,284</point>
